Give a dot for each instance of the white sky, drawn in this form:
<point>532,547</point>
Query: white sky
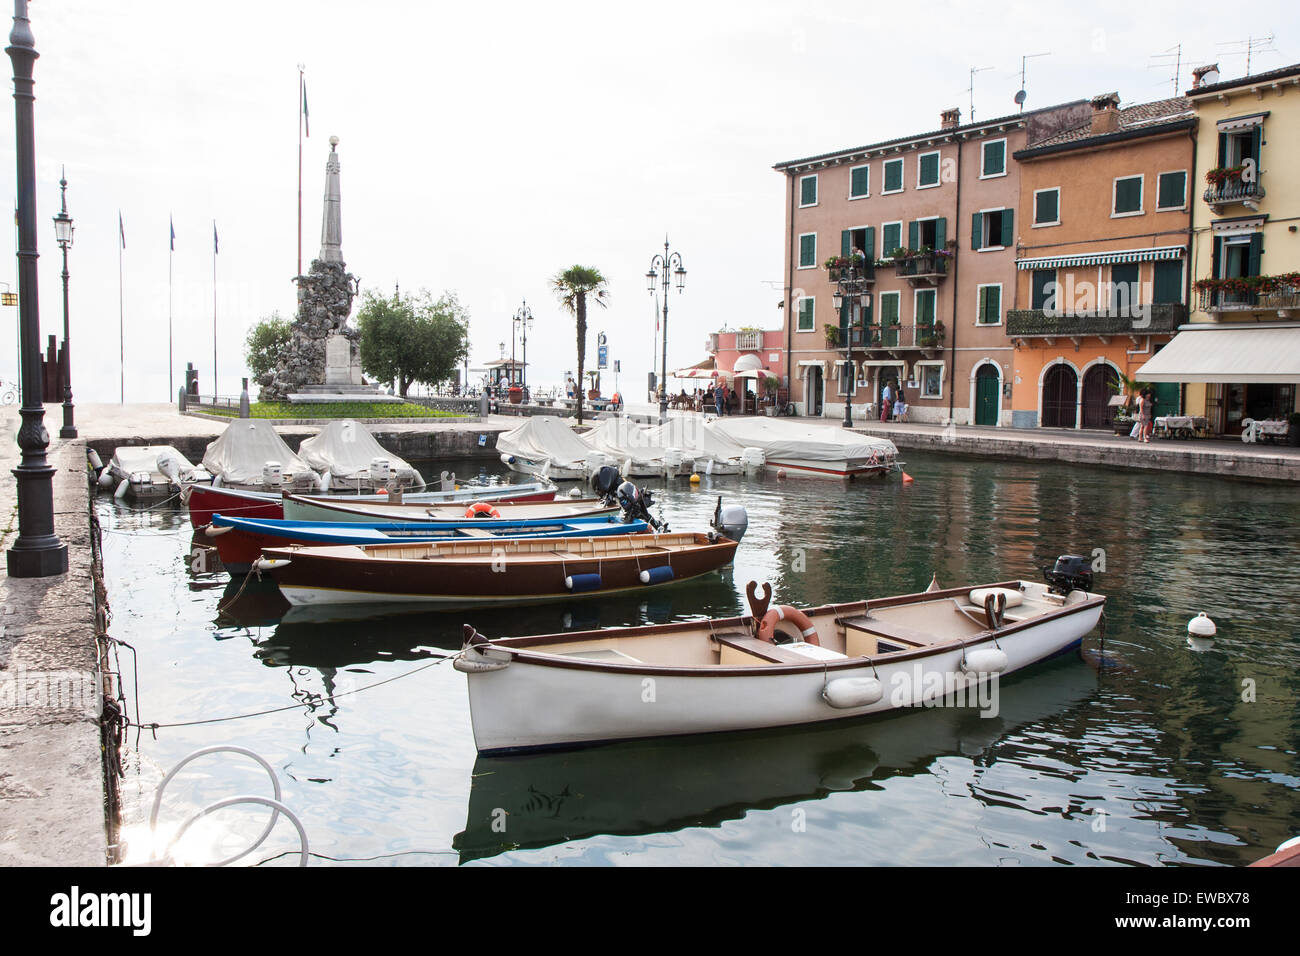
<point>486,147</point>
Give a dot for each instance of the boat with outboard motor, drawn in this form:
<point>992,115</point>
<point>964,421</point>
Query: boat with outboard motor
<point>778,666</point>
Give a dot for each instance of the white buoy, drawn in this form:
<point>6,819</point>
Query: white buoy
<point>1200,633</point>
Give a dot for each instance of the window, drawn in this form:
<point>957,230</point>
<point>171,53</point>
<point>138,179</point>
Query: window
<point>891,238</point>
<point>931,379</point>
<point>1167,281</point>
<point>859,182</point>
<point>992,229</point>
<point>805,314</point>
<point>889,307</point>
<point>993,158</point>
<point>1125,292</point>
<point>808,190</point>
<point>1047,207</point>
<point>927,233</point>
<point>925,299</point>
<point>893,176</point>
<point>1238,146</point>
<point>848,379</point>
<point>990,305</point>
<point>927,170</point>
<point>1171,190</point>
<point>862,239</point>
<point>808,250</point>
<point>1128,196</point>
<point>1043,295</point>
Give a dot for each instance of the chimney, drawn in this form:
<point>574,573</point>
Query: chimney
<point>950,118</point>
<point>1205,75</point>
<point>1105,114</point>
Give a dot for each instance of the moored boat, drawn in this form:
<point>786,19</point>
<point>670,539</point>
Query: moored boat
<point>250,455</point>
<point>348,458</point>
<point>836,662</point>
<point>546,445</point>
<point>314,508</point>
<point>508,571</point>
<point>811,450</point>
<point>150,471</point>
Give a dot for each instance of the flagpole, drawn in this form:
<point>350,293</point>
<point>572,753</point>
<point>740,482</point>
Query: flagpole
<point>214,311</point>
<point>171,365</point>
<point>302,101</point>
<point>121,312</point>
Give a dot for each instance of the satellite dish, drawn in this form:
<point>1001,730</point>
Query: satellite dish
<point>1020,97</point>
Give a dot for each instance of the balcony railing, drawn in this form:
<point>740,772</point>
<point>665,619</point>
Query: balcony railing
<point>1282,299</point>
<point>928,265</point>
<point>1233,190</point>
<point>1038,323</point>
<point>892,337</point>
<point>749,341</point>
<point>862,272</point>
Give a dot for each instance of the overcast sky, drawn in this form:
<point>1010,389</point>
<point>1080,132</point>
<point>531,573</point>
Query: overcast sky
<point>486,147</point>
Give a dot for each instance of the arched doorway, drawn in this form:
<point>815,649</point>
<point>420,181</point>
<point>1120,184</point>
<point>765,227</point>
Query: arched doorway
<point>1060,396</point>
<point>812,394</point>
<point>988,393</point>
<point>1099,383</point>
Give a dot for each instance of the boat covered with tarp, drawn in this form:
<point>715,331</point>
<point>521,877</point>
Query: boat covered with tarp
<point>634,450</point>
<point>250,455</point>
<point>349,458</point>
<point>712,451</point>
<point>802,448</point>
<point>544,445</point>
<point>151,471</point>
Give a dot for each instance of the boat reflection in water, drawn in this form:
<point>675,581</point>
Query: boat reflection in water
<point>529,801</point>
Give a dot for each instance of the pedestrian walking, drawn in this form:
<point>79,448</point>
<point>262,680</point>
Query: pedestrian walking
<point>887,401</point>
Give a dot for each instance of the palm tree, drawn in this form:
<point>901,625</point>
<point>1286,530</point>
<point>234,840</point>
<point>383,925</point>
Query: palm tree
<point>572,286</point>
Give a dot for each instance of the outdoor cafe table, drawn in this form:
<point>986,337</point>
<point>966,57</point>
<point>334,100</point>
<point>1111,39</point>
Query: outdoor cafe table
<point>1181,426</point>
<point>1253,430</point>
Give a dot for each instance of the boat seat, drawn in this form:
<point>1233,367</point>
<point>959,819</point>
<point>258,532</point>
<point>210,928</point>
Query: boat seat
<point>889,630</point>
<point>977,615</point>
<point>753,647</point>
<point>476,533</point>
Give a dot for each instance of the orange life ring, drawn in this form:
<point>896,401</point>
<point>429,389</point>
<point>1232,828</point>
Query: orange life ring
<point>481,509</point>
<point>784,612</point>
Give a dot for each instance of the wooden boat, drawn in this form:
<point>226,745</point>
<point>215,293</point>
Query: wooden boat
<point>204,501</point>
<point>307,508</point>
<point>845,660</point>
<point>509,571</point>
<point>240,541</point>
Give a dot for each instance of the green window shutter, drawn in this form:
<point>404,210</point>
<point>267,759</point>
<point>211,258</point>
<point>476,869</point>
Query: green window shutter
<point>925,307</point>
<point>846,313</point>
<point>982,311</point>
<point>1128,194</point>
<point>1256,253</point>
<point>866,312</point>
<point>929,169</point>
<point>846,242</point>
<point>805,315</point>
<point>893,174</point>
<point>913,235</point>
<point>1216,257</point>
<point>891,238</point>
<point>1167,281</point>
<point>976,229</point>
<point>1256,140</point>
<point>995,158</point>
<point>1008,227</point>
<point>1047,206</point>
<point>808,250</point>
<point>992,304</point>
<point>940,233</point>
<point>1223,150</point>
<point>1172,189</point>
<point>869,247</point>
<point>1123,278</point>
<point>859,181</point>
<point>1044,283</point>
<point>808,191</point>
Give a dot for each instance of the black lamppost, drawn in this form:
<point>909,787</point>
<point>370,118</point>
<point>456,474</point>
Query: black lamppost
<point>666,262</point>
<point>852,285</point>
<point>523,319</point>
<point>37,552</point>
<point>63,236</point>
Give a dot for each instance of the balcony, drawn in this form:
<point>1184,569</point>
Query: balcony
<point>1283,298</point>
<point>892,338</point>
<point>859,271</point>
<point>1050,326</point>
<point>924,268</point>
<point>1228,188</point>
<point>749,340</point>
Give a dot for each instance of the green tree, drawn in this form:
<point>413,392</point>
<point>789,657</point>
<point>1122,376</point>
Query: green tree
<point>572,286</point>
<point>264,343</point>
<point>412,338</point>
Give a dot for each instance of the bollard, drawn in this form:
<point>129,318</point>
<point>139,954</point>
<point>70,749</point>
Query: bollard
<point>180,399</point>
<point>244,411</point>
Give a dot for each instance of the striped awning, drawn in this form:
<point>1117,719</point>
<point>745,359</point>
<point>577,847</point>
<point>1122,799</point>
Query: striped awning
<point>1102,258</point>
<point>1205,352</point>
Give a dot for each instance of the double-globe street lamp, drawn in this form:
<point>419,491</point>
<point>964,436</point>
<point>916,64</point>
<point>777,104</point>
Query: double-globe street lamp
<point>523,319</point>
<point>667,261</point>
<point>853,286</point>
<point>63,236</point>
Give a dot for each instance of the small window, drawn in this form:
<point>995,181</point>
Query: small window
<point>1128,196</point>
<point>1167,281</point>
<point>925,299</point>
<point>859,182</point>
<point>893,176</point>
<point>927,170</point>
<point>806,314</point>
<point>1047,207</point>
<point>1044,290</point>
<point>993,229</point>
<point>994,158</point>
<point>1171,190</point>
<point>990,305</point>
<point>891,238</point>
<point>808,251</point>
<point>808,191</point>
<point>931,382</point>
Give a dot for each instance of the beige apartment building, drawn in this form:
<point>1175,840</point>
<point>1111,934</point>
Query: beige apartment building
<point>918,237</point>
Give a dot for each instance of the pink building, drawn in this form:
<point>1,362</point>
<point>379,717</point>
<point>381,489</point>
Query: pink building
<point>750,361</point>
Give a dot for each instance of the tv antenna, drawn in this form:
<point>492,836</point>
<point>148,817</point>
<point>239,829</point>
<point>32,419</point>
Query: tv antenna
<point>1021,95</point>
<point>971,89</point>
<point>1174,52</point>
<point>1252,45</point>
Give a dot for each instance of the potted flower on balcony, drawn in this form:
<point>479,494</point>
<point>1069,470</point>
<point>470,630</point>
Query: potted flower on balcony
<point>832,335</point>
<point>930,336</point>
<point>1222,174</point>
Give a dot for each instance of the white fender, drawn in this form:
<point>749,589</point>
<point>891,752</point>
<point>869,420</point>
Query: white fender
<point>95,461</point>
<point>986,660</point>
<point>105,479</point>
<point>325,480</point>
<point>846,693</point>
<point>270,564</point>
<point>121,488</point>
<point>216,481</point>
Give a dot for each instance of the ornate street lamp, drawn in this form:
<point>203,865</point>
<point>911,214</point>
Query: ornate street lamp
<point>63,236</point>
<point>853,287</point>
<point>37,552</point>
<point>667,261</point>
<point>523,319</point>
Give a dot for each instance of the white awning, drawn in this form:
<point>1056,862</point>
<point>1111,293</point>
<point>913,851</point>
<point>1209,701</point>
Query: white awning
<point>1260,354</point>
<point>1102,258</point>
<point>748,363</point>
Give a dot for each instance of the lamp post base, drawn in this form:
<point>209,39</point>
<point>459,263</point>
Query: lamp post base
<point>38,555</point>
<point>37,562</point>
<point>69,429</point>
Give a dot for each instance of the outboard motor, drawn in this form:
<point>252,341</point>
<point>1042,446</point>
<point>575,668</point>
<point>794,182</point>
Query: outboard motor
<point>636,503</point>
<point>605,482</point>
<point>1070,573</point>
<point>730,522</point>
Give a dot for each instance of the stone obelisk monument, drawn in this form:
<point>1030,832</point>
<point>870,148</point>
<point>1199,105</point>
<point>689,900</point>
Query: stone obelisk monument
<point>322,359</point>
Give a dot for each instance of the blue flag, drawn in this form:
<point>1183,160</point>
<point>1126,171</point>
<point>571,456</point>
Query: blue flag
<point>121,230</point>
<point>214,237</point>
<point>173,229</point>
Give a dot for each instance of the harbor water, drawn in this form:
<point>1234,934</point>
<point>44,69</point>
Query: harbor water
<point>1137,750</point>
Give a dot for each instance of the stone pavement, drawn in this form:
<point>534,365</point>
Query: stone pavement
<point>52,788</point>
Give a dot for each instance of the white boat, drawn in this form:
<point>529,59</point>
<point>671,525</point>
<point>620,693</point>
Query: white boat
<point>545,445</point>
<point>150,471</point>
<point>635,451</point>
<point>311,508</point>
<point>349,459</point>
<point>822,451</point>
<point>250,456</point>
<point>712,451</point>
<point>838,661</point>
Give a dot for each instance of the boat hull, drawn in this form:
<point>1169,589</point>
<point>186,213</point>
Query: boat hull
<point>538,701</point>
<point>316,509</point>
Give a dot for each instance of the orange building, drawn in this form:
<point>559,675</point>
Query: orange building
<point>1102,280</point>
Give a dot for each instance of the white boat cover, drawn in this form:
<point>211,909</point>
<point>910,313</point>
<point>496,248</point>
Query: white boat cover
<point>244,447</point>
<point>544,437</point>
<point>345,449</point>
<point>781,439</point>
<point>155,460</point>
<point>625,440</point>
<point>697,439</point>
